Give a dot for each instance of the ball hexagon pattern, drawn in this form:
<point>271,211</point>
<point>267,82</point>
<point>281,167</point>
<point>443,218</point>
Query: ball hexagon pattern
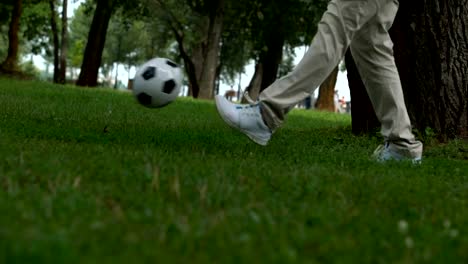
<point>157,83</point>
<point>150,72</point>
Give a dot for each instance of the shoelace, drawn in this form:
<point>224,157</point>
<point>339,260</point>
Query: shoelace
<point>250,110</point>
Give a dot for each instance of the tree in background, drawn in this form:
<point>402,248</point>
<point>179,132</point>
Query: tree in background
<point>55,40</point>
<point>63,44</point>
<point>197,27</point>
<point>124,31</point>
<point>95,43</point>
<point>363,117</point>
<point>31,36</point>
<point>210,48</point>
<point>40,30</point>
<point>10,64</point>
<point>272,25</point>
<point>431,52</point>
<point>134,35</point>
<point>5,12</point>
<point>79,29</point>
<point>326,98</point>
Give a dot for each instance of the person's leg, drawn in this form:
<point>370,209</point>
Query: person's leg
<point>337,28</point>
<point>372,50</point>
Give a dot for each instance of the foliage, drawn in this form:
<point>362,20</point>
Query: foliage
<point>5,11</point>
<point>123,34</point>
<point>90,176</point>
<point>79,28</point>
<point>3,41</point>
<point>37,33</point>
<point>287,64</point>
<point>150,26</point>
<point>30,69</point>
<point>34,30</point>
<point>296,20</point>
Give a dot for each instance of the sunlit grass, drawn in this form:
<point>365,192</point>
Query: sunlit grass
<point>88,175</point>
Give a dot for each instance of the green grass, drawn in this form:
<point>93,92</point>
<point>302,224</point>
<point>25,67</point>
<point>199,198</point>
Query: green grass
<point>89,176</point>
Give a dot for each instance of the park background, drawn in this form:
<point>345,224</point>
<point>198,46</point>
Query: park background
<point>125,74</point>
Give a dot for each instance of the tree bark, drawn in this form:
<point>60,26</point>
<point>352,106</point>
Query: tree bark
<point>363,118</point>
<point>266,69</point>
<point>63,44</point>
<point>10,64</point>
<point>190,67</point>
<point>431,52</point>
<point>211,58</point>
<point>198,56</point>
<point>271,60</point>
<point>95,46</point>
<point>326,98</point>
<point>255,83</point>
<point>55,39</point>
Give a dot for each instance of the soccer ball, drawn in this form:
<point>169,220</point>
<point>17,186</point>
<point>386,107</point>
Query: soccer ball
<point>157,83</point>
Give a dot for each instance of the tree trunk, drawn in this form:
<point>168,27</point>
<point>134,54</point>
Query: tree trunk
<point>190,67</point>
<point>11,62</point>
<point>431,51</point>
<point>255,83</point>
<point>198,59</point>
<point>266,69</point>
<point>211,58</point>
<point>326,98</point>
<point>271,60</point>
<point>363,118</point>
<point>96,40</point>
<point>55,38</point>
<point>64,44</point>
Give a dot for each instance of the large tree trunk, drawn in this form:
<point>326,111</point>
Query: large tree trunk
<point>64,44</point>
<point>190,67</point>
<point>211,58</point>
<point>266,69</point>
<point>11,62</point>
<point>271,60</point>
<point>363,118</point>
<point>255,84</point>
<point>96,40</point>
<point>431,51</point>
<point>197,58</point>
<point>326,98</point>
<point>55,38</point>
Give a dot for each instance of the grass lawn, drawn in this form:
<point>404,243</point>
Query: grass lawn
<point>89,176</point>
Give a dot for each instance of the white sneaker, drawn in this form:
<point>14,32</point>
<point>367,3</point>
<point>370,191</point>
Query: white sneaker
<point>245,118</point>
<point>384,153</point>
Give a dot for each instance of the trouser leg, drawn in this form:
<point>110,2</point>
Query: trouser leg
<point>336,29</point>
<point>372,50</point>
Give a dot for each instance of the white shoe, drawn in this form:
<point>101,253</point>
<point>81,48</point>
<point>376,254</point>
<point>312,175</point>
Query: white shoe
<point>245,118</point>
<point>384,153</point>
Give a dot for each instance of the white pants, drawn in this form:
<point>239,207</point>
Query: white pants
<point>362,26</point>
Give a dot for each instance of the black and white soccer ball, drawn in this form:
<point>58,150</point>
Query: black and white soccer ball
<point>157,82</point>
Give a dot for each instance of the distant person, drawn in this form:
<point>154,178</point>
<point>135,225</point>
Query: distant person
<point>362,26</point>
<point>230,94</point>
<point>336,102</point>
